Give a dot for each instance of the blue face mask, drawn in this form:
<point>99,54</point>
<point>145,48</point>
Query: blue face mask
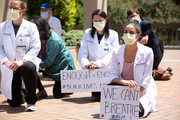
<point>134,19</point>
<point>44,15</point>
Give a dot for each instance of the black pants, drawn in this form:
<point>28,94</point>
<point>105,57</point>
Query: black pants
<point>56,88</point>
<point>40,87</point>
<point>28,73</point>
<point>140,105</point>
<point>158,55</point>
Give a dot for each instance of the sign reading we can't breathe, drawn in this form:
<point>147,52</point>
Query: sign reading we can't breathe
<point>83,80</point>
<point>119,102</point>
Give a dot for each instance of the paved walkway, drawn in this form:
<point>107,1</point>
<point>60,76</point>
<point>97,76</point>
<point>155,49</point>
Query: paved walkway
<point>79,106</point>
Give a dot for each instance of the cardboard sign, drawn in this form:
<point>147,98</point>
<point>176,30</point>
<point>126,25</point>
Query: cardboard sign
<point>119,102</point>
<point>83,80</point>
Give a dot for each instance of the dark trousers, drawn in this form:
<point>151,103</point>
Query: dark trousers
<point>40,87</point>
<point>56,88</point>
<point>27,73</point>
<point>158,55</point>
<point>140,105</point>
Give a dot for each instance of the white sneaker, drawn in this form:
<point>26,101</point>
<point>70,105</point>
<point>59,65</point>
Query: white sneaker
<point>30,108</point>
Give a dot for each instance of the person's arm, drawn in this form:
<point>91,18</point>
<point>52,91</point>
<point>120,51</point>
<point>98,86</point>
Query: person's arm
<point>3,56</point>
<point>141,90</point>
<point>144,40</point>
<point>83,52</point>
<point>53,49</point>
<point>115,73</point>
<point>129,83</point>
<point>4,60</point>
<point>147,73</point>
<point>14,65</point>
<point>147,30</point>
<point>58,27</point>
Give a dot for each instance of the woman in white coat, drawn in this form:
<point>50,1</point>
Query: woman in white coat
<point>19,46</point>
<point>97,44</point>
<point>132,66</point>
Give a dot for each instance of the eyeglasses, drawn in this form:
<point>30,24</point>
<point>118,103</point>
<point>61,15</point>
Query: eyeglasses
<point>14,8</point>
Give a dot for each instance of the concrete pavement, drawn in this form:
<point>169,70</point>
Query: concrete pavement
<point>79,106</point>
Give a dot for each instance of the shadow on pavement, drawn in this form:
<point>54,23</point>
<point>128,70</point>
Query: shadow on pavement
<point>81,100</point>
<point>11,110</point>
<point>96,116</point>
<point>49,85</point>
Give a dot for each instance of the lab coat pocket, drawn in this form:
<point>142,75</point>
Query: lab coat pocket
<point>6,38</point>
<point>24,41</point>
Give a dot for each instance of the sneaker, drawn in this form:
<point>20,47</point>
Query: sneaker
<point>169,69</point>
<point>42,94</point>
<point>30,108</point>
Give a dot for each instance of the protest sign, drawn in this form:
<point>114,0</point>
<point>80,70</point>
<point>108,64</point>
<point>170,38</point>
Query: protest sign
<point>119,102</point>
<point>83,80</point>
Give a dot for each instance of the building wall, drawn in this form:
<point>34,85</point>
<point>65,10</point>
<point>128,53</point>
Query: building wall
<point>3,10</point>
<point>89,6</point>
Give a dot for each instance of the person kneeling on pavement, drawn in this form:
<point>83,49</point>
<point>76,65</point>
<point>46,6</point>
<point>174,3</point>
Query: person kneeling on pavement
<point>54,55</point>
<point>19,47</point>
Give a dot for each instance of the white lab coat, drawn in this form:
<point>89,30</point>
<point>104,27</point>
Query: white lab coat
<point>142,74</point>
<point>28,36</point>
<point>55,24</point>
<point>91,50</point>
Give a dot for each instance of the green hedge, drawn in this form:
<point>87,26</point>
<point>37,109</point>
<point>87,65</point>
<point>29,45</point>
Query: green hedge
<point>72,37</point>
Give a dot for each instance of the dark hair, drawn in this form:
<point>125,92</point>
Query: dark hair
<point>43,27</point>
<point>23,3</point>
<point>106,28</point>
<point>132,10</point>
<point>136,26</point>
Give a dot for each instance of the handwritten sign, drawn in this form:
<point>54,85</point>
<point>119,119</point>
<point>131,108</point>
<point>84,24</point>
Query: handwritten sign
<point>83,80</point>
<point>119,102</point>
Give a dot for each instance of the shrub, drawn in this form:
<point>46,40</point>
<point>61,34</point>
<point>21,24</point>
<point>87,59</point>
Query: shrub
<point>72,37</point>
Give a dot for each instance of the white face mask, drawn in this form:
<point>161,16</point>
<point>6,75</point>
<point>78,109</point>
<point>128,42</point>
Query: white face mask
<point>129,39</point>
<point>99,25</point>
<point>134,19</point>
<point>13,14</point>
<point>44,15</point>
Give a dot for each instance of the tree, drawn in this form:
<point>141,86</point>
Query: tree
<point>159,11</point>
<point>79,12</point>
<point>116,12</point>
<point>156,11</point>
<point>63,9</point>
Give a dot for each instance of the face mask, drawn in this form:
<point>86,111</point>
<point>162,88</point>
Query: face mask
<point>99,25</point>
<point>44,15</point>
<point>129,39</point>
<point>134,19</point>
<point>13,14</point>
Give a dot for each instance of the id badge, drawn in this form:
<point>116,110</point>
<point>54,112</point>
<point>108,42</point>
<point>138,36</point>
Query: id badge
<point>21,51</point>
<point>106,47</point>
